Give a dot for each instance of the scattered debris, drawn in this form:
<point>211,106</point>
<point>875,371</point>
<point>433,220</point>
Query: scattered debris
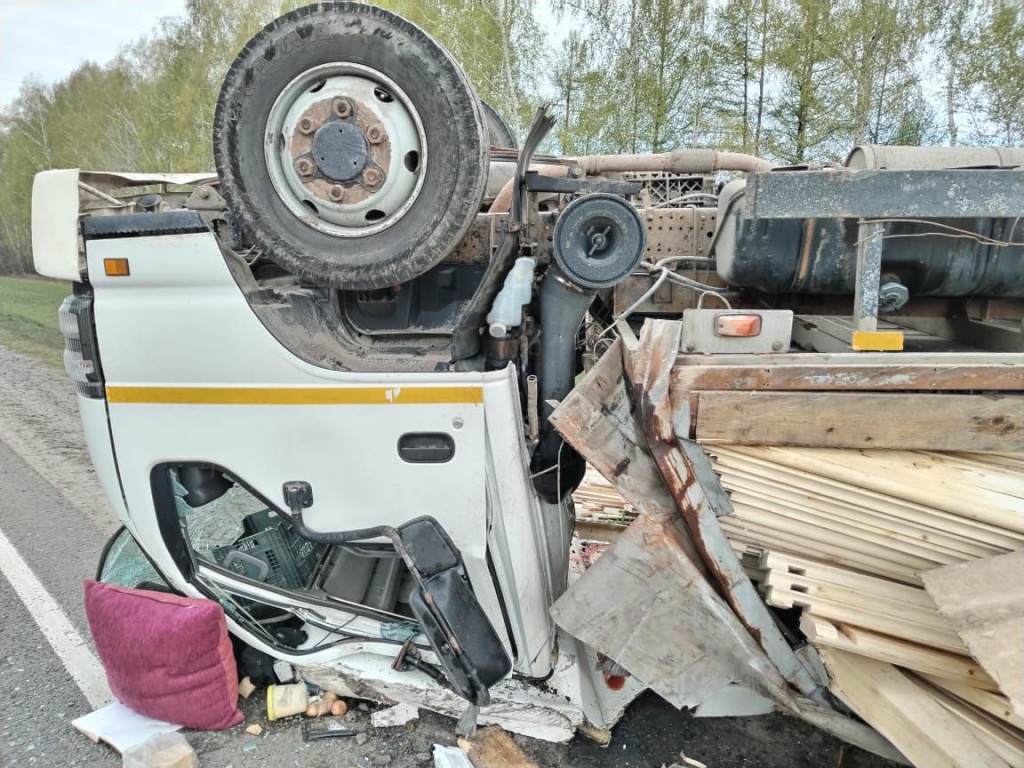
<point>400,714</point>
<point>450,757</point>
<point>246,687</point>
<point>255,729</point>
<point>161,750</point>
<point>286,700</point>
<point>492,747</point>
<point>121,727</point>
<point>284,672</point>
<point>327,729</point>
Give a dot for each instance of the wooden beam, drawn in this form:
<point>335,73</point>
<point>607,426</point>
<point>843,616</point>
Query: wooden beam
<point>984,600</point>
<point>994,703</point>
<point>938,665</point>
<point>856,420</point>
<point>881,377</point>
<point>917,725</point>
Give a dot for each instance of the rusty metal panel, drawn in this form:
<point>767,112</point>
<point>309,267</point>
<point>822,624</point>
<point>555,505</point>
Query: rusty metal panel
<point>649,368</point>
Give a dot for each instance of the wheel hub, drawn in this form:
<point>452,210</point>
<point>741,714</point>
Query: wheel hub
<point>340,150</point>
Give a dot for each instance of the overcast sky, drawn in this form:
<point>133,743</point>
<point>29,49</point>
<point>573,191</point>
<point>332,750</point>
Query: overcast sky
<point>47,39</point>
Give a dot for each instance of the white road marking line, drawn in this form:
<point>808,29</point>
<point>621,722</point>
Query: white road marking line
<point>78,660</point>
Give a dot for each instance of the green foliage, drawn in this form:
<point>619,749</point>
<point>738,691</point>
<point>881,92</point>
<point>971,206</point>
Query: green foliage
<point>28,317</point>
<point>792,80</point>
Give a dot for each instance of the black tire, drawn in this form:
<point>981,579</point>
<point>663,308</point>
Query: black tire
<point>499,134</point>
<point>455,171</point>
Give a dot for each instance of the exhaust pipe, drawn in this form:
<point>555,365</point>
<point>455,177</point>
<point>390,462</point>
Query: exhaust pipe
<point>598,241</point>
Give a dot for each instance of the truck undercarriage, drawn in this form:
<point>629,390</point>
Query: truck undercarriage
<point>347,385</point>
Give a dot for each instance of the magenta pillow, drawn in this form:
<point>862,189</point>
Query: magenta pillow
<point>166,656</point>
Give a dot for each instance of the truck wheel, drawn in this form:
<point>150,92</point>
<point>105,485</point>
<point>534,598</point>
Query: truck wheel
<point>350,145</point>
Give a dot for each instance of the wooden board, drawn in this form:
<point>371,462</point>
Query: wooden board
<point>939,665</point>
<point>918,726</point>
<point>493,748</point>
<point>856,420</point>
<point>847,377</point>
<point>984,601</point>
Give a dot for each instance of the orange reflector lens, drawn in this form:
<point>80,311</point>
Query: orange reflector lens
<point>116,267</point>
<point>738,325</point>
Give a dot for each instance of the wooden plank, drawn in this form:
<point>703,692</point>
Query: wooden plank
<point>855,420</point>
<point>1002,739</point>
<point>836,359</point>
<point>890,376</point>
<point>875,521</point>
<point>984,600</point>
<point>738,459</point>
<point>918,726</point>
<point>903,475</point>
<point>753,512</point>
<point>823,573</point>
<point>847,523</point>
<point>886,625</point>
<point>492,747</point>
<point>939,665</point>
<point>991,702</point>
<point>758,536</point>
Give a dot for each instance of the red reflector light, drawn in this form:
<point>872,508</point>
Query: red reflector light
<point>738,325</point>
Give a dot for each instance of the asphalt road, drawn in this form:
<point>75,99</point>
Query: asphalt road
<point>54,514</point>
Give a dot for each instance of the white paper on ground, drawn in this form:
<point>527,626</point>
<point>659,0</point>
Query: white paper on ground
<point>400,714</point>
<point>450,757</point>
<point>120,726</point>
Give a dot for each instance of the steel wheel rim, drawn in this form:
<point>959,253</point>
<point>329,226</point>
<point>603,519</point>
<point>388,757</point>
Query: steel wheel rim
<point>362,209</point>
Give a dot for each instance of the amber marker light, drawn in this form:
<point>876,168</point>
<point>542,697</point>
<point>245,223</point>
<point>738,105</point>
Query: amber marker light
<point>116,267</point>
<point>738,325</point>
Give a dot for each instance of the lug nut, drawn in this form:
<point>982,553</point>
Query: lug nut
<point>304,167</point>
<point>342,108</point>
<point>306,126</point>
<point>336,192</point>
<point>375,134</point>
<point>373,177</point>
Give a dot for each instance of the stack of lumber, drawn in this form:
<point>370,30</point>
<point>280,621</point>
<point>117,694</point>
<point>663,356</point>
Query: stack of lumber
<point>846,536</point>
<point>600,511</point>
<point>892,514</point>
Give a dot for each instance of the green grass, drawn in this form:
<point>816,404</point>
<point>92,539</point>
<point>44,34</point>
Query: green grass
<point>28,317</point>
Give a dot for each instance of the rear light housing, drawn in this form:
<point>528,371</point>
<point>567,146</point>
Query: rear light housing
<point>81,356</point>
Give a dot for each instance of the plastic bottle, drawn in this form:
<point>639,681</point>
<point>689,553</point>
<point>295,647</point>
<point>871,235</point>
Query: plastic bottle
<point>286,700</point>
<point>507,310</point>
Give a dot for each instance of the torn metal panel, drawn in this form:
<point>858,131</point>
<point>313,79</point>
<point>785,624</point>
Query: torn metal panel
<point>596,419</point>
<point>649,368</point>
<point>645,605</point>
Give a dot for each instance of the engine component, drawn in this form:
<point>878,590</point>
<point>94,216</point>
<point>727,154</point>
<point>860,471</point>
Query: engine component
<point>350,145</point>
<point>599,240</point>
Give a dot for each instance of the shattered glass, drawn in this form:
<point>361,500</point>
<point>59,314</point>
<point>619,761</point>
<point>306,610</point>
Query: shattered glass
<point>125,564</point>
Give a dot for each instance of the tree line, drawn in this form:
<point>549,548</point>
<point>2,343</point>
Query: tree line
<point>795,81</point>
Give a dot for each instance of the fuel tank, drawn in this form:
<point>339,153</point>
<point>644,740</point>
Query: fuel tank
<point>940,257</point>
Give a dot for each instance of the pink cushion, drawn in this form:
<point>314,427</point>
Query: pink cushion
<point>166,656</point>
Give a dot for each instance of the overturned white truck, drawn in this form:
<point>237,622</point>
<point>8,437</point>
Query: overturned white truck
<point>320,385</point>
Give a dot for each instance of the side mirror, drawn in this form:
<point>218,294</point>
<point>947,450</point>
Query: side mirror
<point>468,648</point>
